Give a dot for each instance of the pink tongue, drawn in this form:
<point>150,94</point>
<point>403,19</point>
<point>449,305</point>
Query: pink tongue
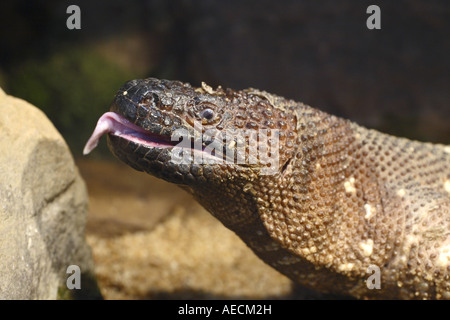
<point>107,123</point>
<point>110,122</point>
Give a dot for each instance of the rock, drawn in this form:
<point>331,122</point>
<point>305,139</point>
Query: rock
<point>43,206</point>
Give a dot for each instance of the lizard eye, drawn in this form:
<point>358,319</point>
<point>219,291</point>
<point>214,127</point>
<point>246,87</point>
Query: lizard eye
<point>207,114</point>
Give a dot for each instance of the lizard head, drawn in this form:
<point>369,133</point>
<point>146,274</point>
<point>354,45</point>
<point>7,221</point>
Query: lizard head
<point>209,141</point>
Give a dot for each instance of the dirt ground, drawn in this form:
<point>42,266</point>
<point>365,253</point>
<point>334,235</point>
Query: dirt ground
<point>151,240</point>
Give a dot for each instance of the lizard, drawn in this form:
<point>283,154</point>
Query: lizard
<point>343,209</point>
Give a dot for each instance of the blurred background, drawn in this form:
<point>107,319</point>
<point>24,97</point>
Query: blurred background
<point>395,79</point>
<point>319,52</point>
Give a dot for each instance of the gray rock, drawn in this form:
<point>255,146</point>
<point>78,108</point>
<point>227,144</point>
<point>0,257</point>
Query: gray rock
<point>43,206</point>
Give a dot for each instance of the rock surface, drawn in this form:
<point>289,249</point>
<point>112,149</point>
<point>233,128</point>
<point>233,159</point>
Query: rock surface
<point>43,206</point>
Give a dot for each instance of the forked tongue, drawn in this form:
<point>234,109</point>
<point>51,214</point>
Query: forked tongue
<point>109,122</point>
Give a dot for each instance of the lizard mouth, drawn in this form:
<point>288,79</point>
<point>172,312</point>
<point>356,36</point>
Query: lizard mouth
<point>117,125</point>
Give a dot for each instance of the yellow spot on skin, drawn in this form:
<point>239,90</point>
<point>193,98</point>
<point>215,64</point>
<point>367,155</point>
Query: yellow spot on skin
<point>369,212</point>
<point>329,258</point>
<point>346,267</point>
<point>349,185</point>
<point>207,88</point>
<point>410,240</point>
<point>401,192</point>
<point>429,277</point>
<point>305,251</point>
<point>403,259</point>
<point>308,251</point>
<point>447,186</point>
<point>444,257</point>
<point>366,247</point>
